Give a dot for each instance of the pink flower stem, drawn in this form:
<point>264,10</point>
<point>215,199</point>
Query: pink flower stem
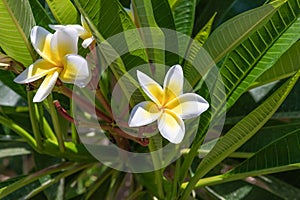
<point>63,112</point>
<point>104,103</point>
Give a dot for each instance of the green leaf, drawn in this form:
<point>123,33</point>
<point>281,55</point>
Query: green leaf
<point>242,132</point>
<point>230,35</point>
<point>110,19</point>
<point>156,14</point>
<point>163,14</point>
<point>234,31</point>
<point>280,155</point>
<point>286,66</point>
<point>153,13</point>
<point>4,191</point>
<point>40,15</point>
<point>172,2</point>
<point>240,190</point>
<point>7,79</point>
<point>194,48</point>
<point>203,34</point>
<point>184,14</point>
<point>273,54</point>
<point>262,187</point>
<point>266,136</point>
<point>235,72</point>
<point>63,11</point>
<point>49,180</point>
<point>279,187</point>
<point>16,21</point>
<point>147,180</point>
<point>262,138</point>
<point>270,41</point>
<point>143,15</point>
<point>13,152</point>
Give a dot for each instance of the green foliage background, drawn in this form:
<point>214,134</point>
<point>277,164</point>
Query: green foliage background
<point>257,50</point>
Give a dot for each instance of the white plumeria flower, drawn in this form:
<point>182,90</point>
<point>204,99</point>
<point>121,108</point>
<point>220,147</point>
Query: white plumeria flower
<point>169,106</point>
<point>84,31</point>
<point>59,60</point>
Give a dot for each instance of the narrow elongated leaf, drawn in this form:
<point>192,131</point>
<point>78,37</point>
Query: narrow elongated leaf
<point>262,138</point>
<point>192,53</point>
<point>263,187</point>
<point>280,155</point>
<point>16,21</point>
<point>239,190</point>
<point>113,23</point>
<point>266,136</point>
<point>286,66</point>
<point>239,69</point>
<point>69,167</point>
<point>203,34</point>
<point>164,19</point>
<point>184,14</point>
<point>157,14</point>
<point>143,15</point>
<point>249,125</point>
<point>40,15</point>
<point>233,76</point>
<point>163,14</point>
<point>231,34</point>
<point>172,2</point>
<point>242,132</point>
<point>50,180</point>
<point>63,11</point>
<point>273,54</point>
<point>235,30</point>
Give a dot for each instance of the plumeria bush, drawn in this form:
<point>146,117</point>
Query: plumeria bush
<point>149,99</point>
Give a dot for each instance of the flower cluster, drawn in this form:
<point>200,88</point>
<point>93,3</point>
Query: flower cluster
<point>59,58</point>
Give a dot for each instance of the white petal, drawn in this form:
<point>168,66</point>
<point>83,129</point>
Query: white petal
<point>35,71</point>
<point>46,87</point>
<point>76,71</point>
<point>56,27</point>
<point>188,105</point>
<point>87,42</point>
<point>40,39</point>
<point>63,42</point>
<point>150,87</point>
<point>80,30</point>
<point>143,113</point>
<point>174,80</point>
<point>171,127</point>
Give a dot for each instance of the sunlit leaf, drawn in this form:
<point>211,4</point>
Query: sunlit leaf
<point>271,56</point>
<point>63,11</point>
<point>285,66</point>
<point>235,30</point>
<point>16,21</point>
<point>242,131</point>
